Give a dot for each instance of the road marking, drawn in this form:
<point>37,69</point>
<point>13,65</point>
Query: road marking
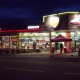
<point>73,73</point>
<point>23,69</point>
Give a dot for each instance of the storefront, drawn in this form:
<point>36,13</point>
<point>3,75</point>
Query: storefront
<point>39,36</point>
<point>58,23</point>
<point>74,27</point>
<point>31,39</point>
<point>75,35</point>
<point>8,40</point>
<point>67,22</point>
<point>27,40</point>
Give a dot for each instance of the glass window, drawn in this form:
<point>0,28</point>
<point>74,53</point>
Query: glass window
<point>5,41</point>
<point>13,41</point>
<point>27,40</point>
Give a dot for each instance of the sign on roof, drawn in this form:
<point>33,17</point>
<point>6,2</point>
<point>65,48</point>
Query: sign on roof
<point>33,27</point>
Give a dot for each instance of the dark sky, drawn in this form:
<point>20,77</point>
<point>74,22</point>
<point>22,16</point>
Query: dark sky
<point>27,11</point>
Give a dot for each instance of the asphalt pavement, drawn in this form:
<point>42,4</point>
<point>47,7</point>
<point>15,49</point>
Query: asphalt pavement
<point>36,66</point>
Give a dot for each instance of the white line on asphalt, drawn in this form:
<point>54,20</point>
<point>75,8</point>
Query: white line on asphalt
<point>73,74</point>
<point>23,69</point>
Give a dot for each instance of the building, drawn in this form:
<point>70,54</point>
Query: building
<point>66,24</point>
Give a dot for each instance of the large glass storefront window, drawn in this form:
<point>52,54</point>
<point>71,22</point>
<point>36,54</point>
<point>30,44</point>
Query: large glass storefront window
<point>8,42</point>
<point>75,39</point>
<point>26,40</point>
<point>13,42</point>
<point>5,41</point>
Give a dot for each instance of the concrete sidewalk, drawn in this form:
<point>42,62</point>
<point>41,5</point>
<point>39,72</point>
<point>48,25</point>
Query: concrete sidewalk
<point>73,54</point>
<point>44,56</point>
<point>73,57</point>
<point>47,54</point>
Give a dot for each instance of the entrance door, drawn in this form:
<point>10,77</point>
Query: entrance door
<point>76,45</point>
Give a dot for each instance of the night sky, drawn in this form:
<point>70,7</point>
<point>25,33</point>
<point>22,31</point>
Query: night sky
<point>22,12</point>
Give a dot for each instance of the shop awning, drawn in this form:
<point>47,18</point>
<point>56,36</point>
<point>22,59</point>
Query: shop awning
<point>60,38</point>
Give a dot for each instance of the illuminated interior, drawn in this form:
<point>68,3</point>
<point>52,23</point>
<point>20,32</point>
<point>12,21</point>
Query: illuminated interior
<point>26,40</point>
<point>75,35</point>
<point>8,42</point>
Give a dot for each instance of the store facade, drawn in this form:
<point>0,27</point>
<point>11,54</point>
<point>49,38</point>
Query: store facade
<point>7,40</point>
<point>24,40</point>
<point>67,22</point>
<point>41,35</point>
<point>27,39</point>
